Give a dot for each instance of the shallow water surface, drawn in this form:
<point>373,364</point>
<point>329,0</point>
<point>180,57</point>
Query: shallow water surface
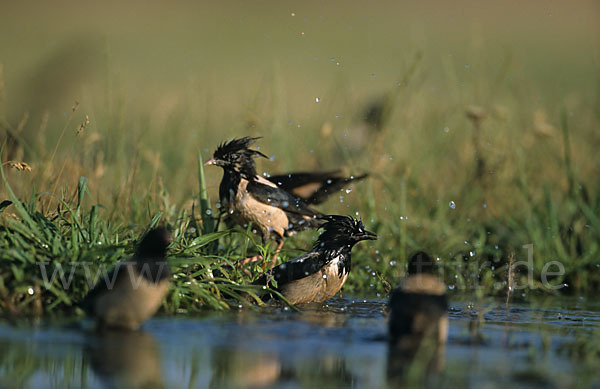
<point>340,344</point>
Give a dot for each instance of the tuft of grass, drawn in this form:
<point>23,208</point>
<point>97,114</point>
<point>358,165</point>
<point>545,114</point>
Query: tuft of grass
<point>50,261</point>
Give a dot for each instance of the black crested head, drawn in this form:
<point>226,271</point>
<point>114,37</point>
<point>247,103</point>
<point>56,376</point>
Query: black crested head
<point>154,244</point>
<point>342,231</point>
<point>237,146</point>
<point>420,263</point>
<point>237,155</point>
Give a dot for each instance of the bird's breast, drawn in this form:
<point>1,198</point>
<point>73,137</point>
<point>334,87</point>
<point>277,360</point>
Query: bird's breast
<point>319,286</point>
<point>335,276</point>
<point>269,218</point>
<point>132,299</point>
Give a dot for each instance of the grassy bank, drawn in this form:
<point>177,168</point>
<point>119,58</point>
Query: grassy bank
<point>54,247</point>
<point>479,139</point>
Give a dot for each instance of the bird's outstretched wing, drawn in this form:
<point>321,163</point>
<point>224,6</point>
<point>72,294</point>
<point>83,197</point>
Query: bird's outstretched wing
<point>313,188</point>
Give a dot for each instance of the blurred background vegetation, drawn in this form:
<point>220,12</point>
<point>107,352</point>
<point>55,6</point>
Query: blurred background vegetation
<point>478,121</point>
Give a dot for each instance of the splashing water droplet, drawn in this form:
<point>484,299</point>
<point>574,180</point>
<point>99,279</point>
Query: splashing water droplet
<point>348,190</point>
<point>452,205</point>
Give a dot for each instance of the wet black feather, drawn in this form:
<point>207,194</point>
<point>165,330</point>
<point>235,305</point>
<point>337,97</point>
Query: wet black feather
<point>340,234</point>
<point>327,183</point>
<point>280,198</point>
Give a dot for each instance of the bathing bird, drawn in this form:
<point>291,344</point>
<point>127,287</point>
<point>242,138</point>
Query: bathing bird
<point>418,315</point>
<point>322,272</point>
<point>133,290</point>
<point>250,198</point>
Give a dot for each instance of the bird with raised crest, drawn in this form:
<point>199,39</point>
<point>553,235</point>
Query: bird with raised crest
<point>250,198</point>
<point>322,272</point>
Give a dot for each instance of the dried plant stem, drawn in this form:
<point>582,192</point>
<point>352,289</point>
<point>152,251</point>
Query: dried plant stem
<point>511,277</point>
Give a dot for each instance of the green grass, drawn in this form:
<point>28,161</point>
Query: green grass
<point>505,128</point>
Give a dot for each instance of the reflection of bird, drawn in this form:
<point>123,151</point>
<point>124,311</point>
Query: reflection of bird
<point>418,317</point>
<point>250,198</point>
<point>313,188</point>
<point>125,359</point>
<point>241,368</point>
<point>134,290</point>
<point>320,273</point>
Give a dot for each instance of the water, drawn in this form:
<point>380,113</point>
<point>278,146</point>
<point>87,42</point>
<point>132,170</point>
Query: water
<point>341,344</point>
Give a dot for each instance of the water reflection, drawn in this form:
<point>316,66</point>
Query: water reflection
<point>242,368</point>
<point>409,363</point>
<point>238,368</point>
<point>340,345</point>
<point>323,318</point>
<point>125,359</point>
